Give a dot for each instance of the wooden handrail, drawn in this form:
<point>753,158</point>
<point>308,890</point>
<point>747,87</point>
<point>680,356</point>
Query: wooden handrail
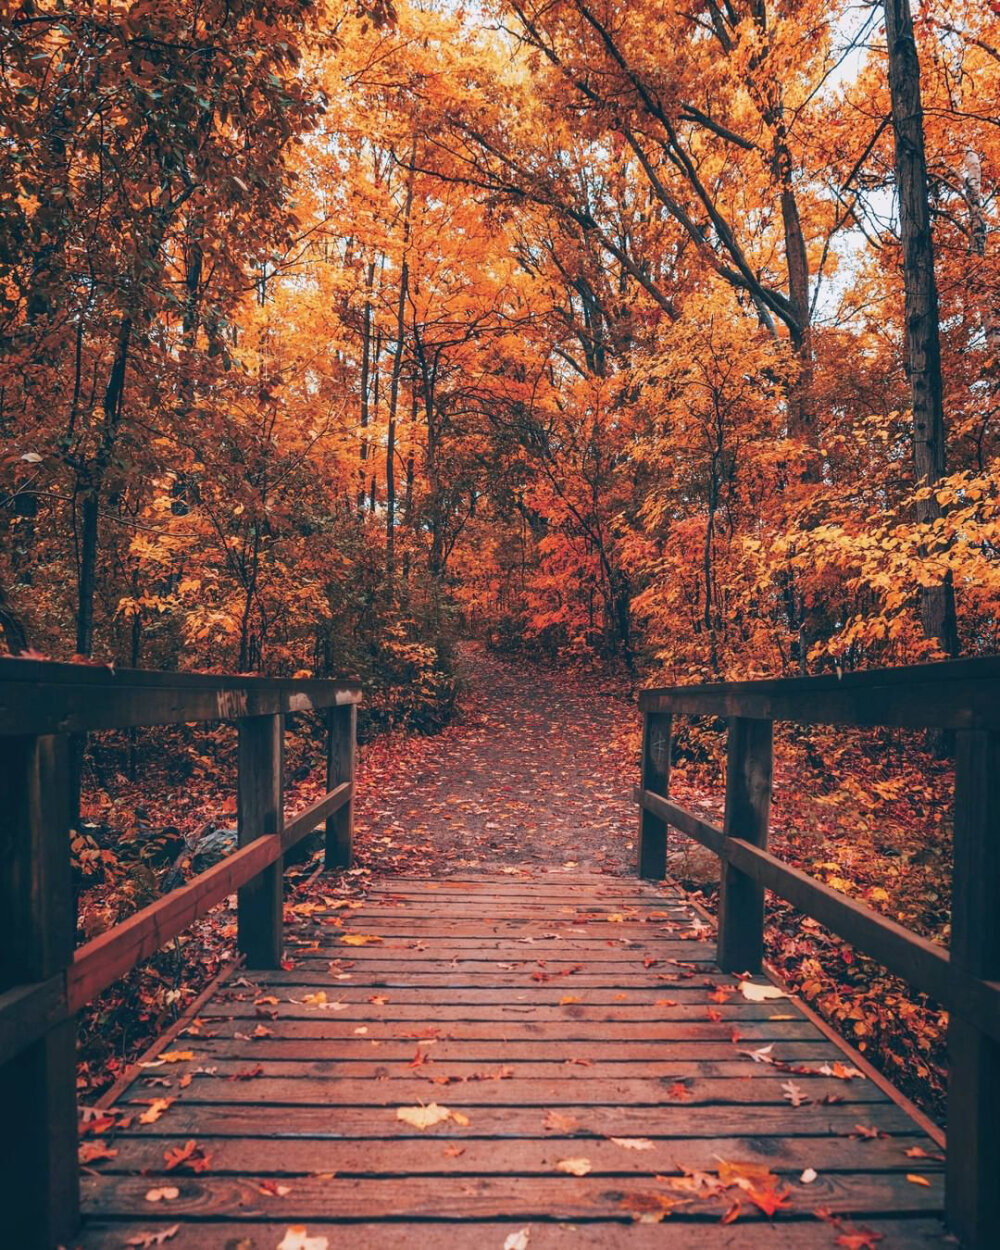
<point>952,694</point>
<point>47,697</point>
<point>960,695</point>
<point>43,980</point>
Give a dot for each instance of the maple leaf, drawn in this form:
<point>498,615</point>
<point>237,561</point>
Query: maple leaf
<point>679,1091</point>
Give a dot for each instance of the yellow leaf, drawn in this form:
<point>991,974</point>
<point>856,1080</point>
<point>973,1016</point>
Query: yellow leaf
<point>360,939</point>
<point>423,1117</point>
<point>574,1167</point>
<point>177,1056</point>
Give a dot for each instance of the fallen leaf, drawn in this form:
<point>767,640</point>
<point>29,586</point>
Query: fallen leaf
<point>427,1117</point>
<point>144,1240</point>
<point>679,1091</point>
<point>760,993</point>
<point>574,1167</point>
<point>808,1176</point>
<point>864,1239</point>
<point>794,1094</point>
<point>633,1143</point>
<point>163,1193</point>
<point>190,1156</point>
<point>567,999</point>
<point>650,1208</point>
<point>156,1109</point>
<point>297,1238</point>
<point>93,1151</point>
<point>176,1056</point>
<point>272,1189</point>
<point>360,939</point>
<point>518,1240</point>
<point>248,1074</point>
<point>556,1122</point>
<point>915,1179</point>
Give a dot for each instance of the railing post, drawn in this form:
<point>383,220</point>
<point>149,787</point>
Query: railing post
<point>260,810</point>
<point>39,1181</point>
<point>748,806</point>
<point>655,777</point>
<point>342,734</point>
<point>973,1164</point>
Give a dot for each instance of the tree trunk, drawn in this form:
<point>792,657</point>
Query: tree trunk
<point>397,368</point>
<point>923,345</point>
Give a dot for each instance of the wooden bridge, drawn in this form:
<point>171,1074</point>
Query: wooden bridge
<point>479,1061</point>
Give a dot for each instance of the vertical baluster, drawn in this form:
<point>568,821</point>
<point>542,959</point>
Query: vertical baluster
<point>656,730</point>
<point>748,806</point>
<point>39,1185</point>
<point>341,757</point>
<point>973,1166</point>
<point>260,808</point>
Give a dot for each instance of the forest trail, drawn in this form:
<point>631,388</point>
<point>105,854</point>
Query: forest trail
<point>536,770</point>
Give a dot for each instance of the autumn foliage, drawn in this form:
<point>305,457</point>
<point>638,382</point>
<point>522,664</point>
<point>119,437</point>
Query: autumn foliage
<point>332,332</point>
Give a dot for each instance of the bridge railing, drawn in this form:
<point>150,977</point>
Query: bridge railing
<point>962,696</point>
<point>44,978</point>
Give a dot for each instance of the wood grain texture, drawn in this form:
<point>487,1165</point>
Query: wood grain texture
<point>303,1092</point>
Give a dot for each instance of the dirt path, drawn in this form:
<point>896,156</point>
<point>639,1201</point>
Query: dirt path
<point>536,770</point>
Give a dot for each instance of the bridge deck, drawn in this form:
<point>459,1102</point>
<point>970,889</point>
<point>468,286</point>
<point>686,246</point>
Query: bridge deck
<point>564,1024</point>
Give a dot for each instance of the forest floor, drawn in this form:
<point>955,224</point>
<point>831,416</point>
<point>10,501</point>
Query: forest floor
<point>535,772</point>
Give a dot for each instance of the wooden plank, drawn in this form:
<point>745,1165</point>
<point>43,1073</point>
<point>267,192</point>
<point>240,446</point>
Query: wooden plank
<point>394,1012</point>
<point>655,778</point>
<point>918,1234</point>
<point>748,807</point>
<point>974,1052</point>
<point>260,812</point>
<point>342,736</point>
<point>954,694</point>
<point>316,814</point>
<point>569,1030</point>
<point>539,1153</point>
<point>101,961</point>
<point>42,696</point>
<point>39,1194</point>
<point>209,1048</point>
<point>388,1068</point>
<point>662,1120</point>
<point>344,1091</point>
<point>701,830</point>
<point>552,1197</point>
